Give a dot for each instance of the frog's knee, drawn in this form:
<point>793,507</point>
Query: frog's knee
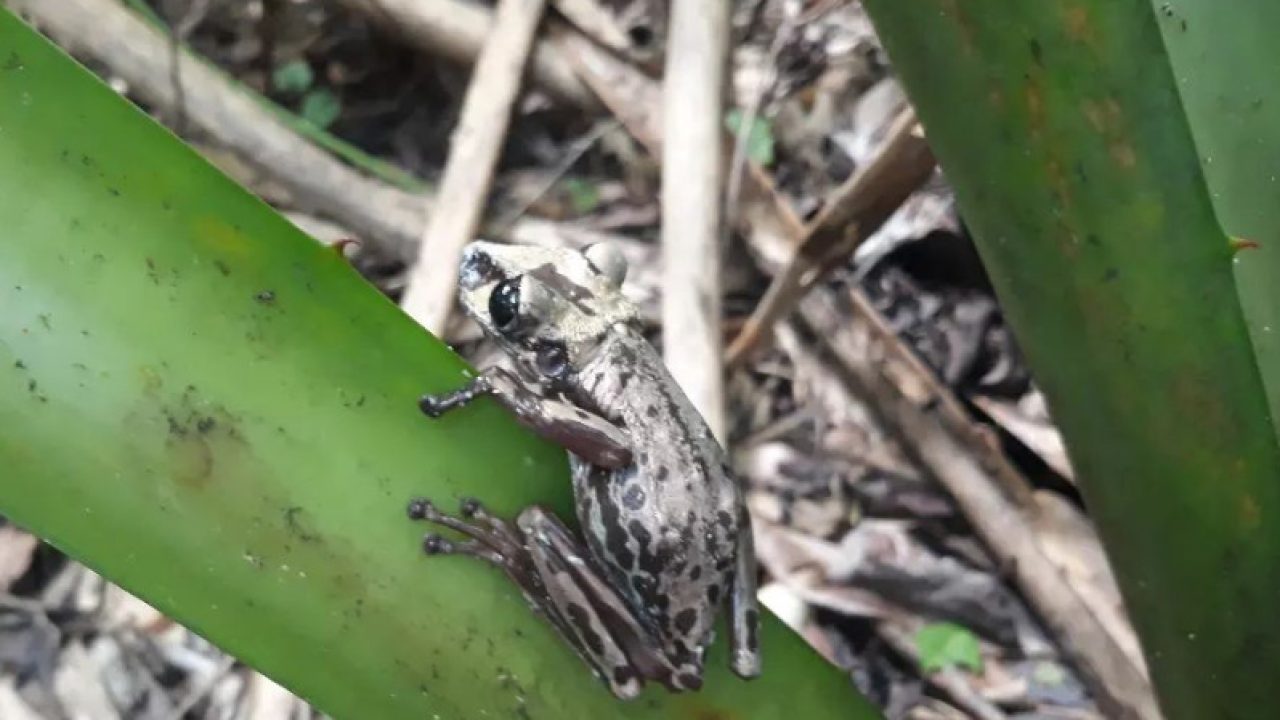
<point>533,518</point>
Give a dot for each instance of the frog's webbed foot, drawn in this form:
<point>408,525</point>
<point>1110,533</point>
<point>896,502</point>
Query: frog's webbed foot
<point>552,569</point>
<point>489,541</point>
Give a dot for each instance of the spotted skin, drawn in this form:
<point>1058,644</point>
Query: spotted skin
<point>666,540</point>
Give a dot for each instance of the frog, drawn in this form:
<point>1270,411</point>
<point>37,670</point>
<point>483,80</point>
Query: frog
<point>665,546</point>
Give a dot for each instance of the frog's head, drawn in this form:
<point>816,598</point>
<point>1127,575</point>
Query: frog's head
<point>550,308</point>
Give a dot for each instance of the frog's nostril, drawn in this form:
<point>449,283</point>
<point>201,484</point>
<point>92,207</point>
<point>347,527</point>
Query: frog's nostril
<point>476,268</point>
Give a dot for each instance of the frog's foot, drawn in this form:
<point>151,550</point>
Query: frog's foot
<point>553,570</point>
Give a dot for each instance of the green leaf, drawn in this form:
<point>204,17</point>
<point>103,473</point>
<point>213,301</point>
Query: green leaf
<point>209,408</point>
<point>293,77</point>
<point>320,107</point>
<point>584,196</point>
<point>943,645</point>
<point>1062,129</point>
<point>1223,58</point>
<point>759,136</point>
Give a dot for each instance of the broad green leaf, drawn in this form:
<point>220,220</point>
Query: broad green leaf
<point>1224,58</point>
<point>214,411</point>
<point>1061,127</point>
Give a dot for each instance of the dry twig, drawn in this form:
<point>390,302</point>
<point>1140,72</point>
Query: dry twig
<point>457,29</point>
<point>596,22</point>
<point>473,156</point>
<point>692,182</point>
<point>266,152</point>
<point>141,55</point>
<point>853,213</point>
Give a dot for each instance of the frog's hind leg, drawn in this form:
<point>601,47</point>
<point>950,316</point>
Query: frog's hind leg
<point>744,614</point>
<point>598,613</point>
<point>542,557</point>
<point>492,540</point>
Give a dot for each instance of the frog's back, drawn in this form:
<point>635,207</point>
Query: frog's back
<point>667,527</point>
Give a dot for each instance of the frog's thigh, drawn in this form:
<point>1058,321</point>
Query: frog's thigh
<point>599,607</point>
<point>744,615</point>
<point>577,596</point>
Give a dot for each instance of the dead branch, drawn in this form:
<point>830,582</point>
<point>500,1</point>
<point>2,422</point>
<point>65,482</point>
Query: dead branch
<point>473,156</point>
<point>853,213</point>
<point>141,55</point>
<point>692,182</point>
<point>634,99</point>
<point>594,21</point>
<point>456,29</point>
<point>268,156</point>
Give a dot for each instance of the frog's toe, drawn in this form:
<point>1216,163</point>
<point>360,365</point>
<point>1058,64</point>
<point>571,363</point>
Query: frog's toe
<point>746,663</point>
<point>420,509</point>
<point>470,508</point>
<point>433,544</point>
<point>430,406</point>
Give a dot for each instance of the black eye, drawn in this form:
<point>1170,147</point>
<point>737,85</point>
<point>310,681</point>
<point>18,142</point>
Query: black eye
<point>504,304</point>
<point>552,360</point>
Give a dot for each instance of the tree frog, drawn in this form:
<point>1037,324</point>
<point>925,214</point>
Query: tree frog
<point>667,535</point>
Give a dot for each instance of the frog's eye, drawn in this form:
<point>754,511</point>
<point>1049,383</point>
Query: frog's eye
<point>504,304</point>
<point>552,359</point>
<point>607,259</point>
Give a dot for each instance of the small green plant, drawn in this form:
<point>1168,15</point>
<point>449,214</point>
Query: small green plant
<point>293,77</point>
<point>944,645</point>
<point>320,107</point>
<point>760,141</point>
<point>584,196</point>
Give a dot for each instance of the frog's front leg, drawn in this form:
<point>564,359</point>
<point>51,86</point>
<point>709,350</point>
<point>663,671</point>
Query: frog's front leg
<point>543,558</point>
<point>588,436</point>
<point>744,614</point>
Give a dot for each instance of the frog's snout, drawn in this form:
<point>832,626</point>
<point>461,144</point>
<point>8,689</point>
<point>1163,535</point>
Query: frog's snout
<point>477,267</point>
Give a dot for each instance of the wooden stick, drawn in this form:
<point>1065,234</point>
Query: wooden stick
<point>855,211</point>
<point>458,29</point>
<point>468,174</point>
<point>692,188</point>
<point>595,22</point>
<point>143,57</point>
<point>248,142</point>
